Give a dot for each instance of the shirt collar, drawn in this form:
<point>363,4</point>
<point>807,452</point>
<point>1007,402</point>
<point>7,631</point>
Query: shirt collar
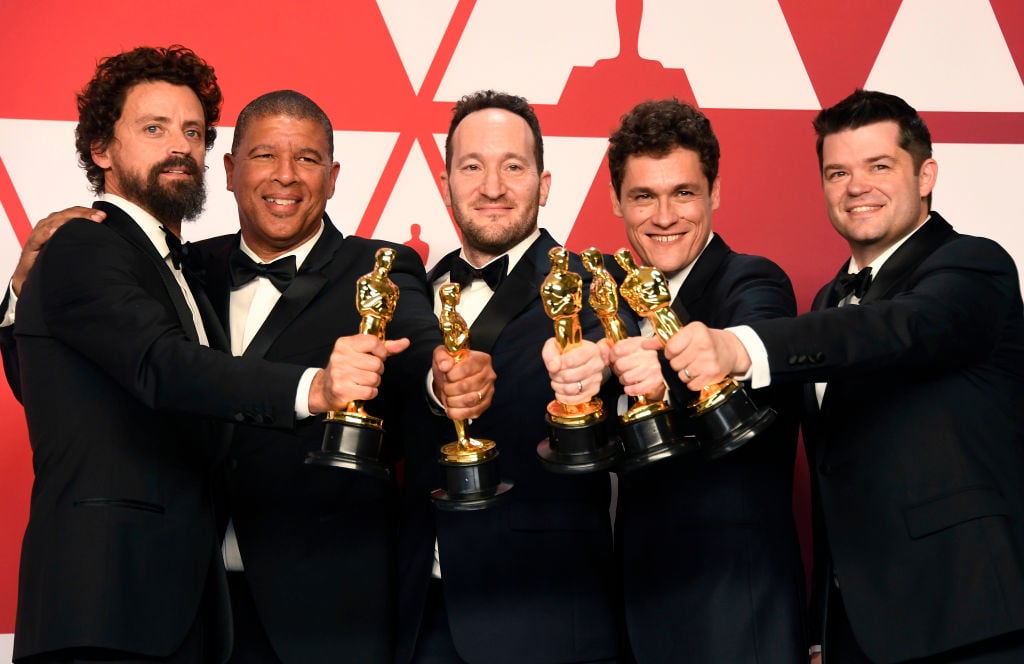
<point>877,264</point>
<point>675,282</point>
<point>300,252</point>
<point>144,220</point>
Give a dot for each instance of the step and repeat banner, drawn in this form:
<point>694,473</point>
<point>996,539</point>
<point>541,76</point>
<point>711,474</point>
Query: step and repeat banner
<point>387,72</point>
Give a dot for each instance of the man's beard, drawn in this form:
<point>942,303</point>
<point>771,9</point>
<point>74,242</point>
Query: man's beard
<point>485,238</point>
<point>176,201</point>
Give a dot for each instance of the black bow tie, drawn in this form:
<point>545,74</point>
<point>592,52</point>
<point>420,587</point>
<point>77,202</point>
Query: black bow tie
<point>180,252</point>
<point>244,269</point>
<point>493,273</point>
<point>848,283</point>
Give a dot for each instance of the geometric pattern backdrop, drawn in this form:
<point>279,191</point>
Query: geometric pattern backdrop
<point>387,72</point>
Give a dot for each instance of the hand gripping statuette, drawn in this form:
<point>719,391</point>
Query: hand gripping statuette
<point>471,464</point>
<point>649,429</point>
<point>577,435</point>
<point>723,414</point>
<point>353,437</point>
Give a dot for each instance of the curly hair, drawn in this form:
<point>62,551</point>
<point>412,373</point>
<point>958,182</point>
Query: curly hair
<point>485,99</point>
<point>655,128</point>
<point>101,101</point>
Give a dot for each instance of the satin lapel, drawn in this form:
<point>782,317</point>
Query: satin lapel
<point>309,281</point>
<point>697,282</point>
<point>516,292</point>
<point>442,266</point>
<point>935,232</point>
<point>119,221</point>
<point>216,253</point>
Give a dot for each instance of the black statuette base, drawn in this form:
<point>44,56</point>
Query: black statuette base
<point>471,486</point>
<point>731,424</point>
<point>353,447</point>
<point>574,450</point>
<point>654,438</point>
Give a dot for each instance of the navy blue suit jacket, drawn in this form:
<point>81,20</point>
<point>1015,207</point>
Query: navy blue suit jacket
<point>711,564</point>
<point>917,452</point>
<point>530,580</point>
<point>317,542</point>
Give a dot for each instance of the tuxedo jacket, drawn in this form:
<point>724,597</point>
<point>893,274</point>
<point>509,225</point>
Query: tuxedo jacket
<point>121,538</point>
<point>917,452</point>
<point>531,579</point>
<point>317,541</point>
<point>711,567</point>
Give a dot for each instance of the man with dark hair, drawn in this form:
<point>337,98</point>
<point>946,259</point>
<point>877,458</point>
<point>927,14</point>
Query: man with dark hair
<point>530,579</point>
<point>120,559</point>
<point>710,561</point>
<point>913,364</point>
<point>309,548</point>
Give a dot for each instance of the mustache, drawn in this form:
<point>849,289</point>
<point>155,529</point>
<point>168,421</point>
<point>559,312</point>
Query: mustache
<point>185,163</point>
<point>492,201</point>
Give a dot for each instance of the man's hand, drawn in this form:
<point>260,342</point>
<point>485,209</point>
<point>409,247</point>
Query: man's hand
<point>704,356</point>
<point>635,361</point>
<point>41,233</point>
<point>576,375</point>
<point>465,388</point>
<point>353,372</point>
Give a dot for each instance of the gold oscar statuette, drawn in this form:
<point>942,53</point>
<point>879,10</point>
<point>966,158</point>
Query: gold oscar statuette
<point>470,464</point>
<point>648,429</point>
<point>578,439</point>
<point>353,437</point>
<point>723,413</point>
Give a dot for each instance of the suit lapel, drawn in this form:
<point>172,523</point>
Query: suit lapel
<point>119,221</point>
<point>516,292</point>
<point>697,282</point>
<point>308,281</point>
<point>934,233</point>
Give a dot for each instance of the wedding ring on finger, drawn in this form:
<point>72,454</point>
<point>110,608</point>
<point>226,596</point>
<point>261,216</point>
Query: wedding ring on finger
<point>686,372</point>
<point>579,387</point>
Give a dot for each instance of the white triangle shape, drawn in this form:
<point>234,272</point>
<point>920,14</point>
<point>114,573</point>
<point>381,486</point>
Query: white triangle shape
<point>416,29</point>
<point>417,200</point>
<point>736,53</point>
<point>948,55</point>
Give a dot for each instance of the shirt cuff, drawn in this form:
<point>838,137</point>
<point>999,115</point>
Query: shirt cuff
<point>12,300</point>
<point>759,375</point>
<point>302,394</point>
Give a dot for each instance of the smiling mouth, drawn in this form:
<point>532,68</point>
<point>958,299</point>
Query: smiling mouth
<point>864,208</point>
<point>280,201</point>
<point>665,239</point>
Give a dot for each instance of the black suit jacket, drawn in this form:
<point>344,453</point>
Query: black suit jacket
<point>917,452</point>
<point>316,541</point>
<point>121,539</point>
<point>710,560</point>
<point>532,579</point>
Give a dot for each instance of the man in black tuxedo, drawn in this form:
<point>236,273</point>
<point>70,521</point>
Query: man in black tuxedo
<point>310,548</point>
<point>120,559</point>
<point>710,560</point>
<point>531,579</point>
<point>914,427</point>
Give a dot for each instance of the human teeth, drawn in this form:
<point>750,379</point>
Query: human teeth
<point>665,238</point>
<point>863,208</point>
<point>280,201</point>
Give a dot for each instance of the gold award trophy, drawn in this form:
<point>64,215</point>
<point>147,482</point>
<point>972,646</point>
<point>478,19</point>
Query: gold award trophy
<point>649,430</point>
<point>353,437</point>
<point>470,464</point>
<point>724,415</point>
<point>577,436</point>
